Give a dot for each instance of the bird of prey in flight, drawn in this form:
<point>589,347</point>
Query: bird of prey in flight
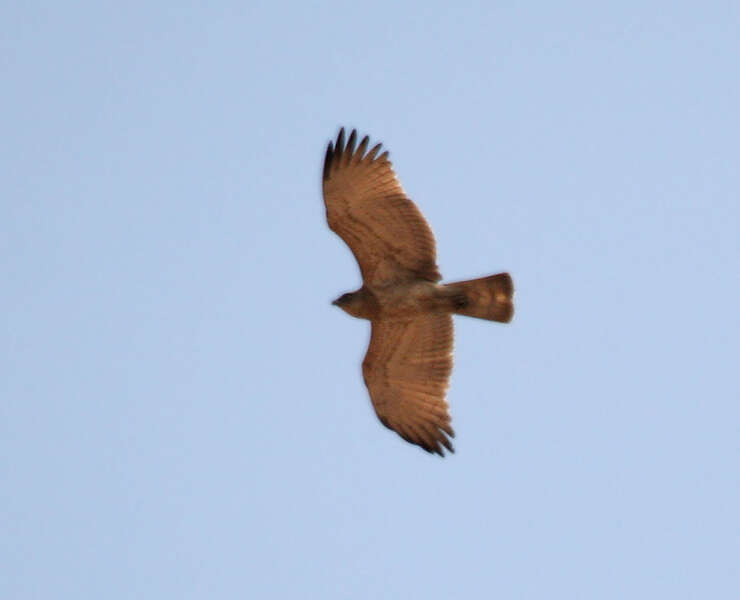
<point>408,362</point>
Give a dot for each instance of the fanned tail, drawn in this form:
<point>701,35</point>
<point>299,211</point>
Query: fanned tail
<point>487,298</point>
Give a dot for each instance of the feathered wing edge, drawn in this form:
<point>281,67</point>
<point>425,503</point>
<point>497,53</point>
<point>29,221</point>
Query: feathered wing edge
<point>338,153</point>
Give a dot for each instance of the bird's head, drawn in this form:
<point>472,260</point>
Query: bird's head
<point>345,300</point>
<point>354,303</point>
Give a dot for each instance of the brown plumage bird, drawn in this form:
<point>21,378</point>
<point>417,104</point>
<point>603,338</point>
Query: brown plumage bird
<point>408,363</point>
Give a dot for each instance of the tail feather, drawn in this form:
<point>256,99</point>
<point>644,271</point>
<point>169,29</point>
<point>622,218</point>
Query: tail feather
<point>485,298</point>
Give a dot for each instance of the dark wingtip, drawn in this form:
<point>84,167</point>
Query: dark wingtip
<point>340,142</point>
<point>373,151</point>
<point>339,152</point>
<point>440,451</point>
<point>362,147</point>
<point>334,153</point>
<point>438,447</point>
<point>350,150</point>
<point>328,159</point>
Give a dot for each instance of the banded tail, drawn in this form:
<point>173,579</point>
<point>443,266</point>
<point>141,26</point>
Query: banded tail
<point>487,298</point>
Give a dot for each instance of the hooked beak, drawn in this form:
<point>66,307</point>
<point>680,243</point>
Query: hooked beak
<point>335,302</point>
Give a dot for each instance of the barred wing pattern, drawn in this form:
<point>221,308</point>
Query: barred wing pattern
<point>366,206</point>
<point>407,369</point>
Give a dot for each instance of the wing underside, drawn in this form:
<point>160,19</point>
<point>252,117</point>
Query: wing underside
<point>367,207</point>
<point>407,369</point>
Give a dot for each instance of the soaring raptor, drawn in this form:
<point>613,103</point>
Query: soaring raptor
<point>408,363</point>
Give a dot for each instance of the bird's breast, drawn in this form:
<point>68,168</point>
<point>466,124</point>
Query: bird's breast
<point>406,299</point>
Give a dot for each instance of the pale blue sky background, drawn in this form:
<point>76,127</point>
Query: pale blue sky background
<point>182,413</point>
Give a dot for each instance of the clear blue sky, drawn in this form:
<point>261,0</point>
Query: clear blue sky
<point>182,413</point>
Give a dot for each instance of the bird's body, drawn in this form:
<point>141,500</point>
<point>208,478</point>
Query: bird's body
<point>409,360</point>
<point>398,301</point>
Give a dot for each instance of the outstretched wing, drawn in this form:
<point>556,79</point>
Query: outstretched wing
<point>367,208</point>
<point>407,369</point>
